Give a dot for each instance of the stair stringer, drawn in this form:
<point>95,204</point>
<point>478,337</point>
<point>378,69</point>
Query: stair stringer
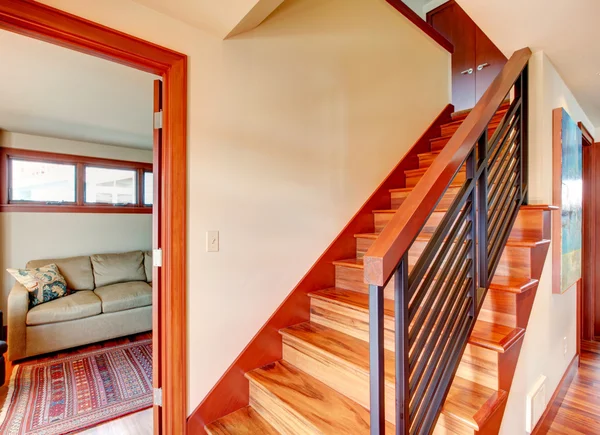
<point>524,305</point>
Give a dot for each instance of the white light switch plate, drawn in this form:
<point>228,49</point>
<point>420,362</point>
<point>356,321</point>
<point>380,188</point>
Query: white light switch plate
<point>212,241</point>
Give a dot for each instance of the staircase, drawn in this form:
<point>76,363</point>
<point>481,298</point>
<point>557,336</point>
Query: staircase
<point>324,385</point>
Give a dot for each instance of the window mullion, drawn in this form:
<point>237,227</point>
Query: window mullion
<point>80,186</point>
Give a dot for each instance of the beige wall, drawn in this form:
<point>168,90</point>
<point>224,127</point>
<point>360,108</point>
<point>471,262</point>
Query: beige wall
<point>29,236</point>
<point>553,316</point>
<point>291,127</point>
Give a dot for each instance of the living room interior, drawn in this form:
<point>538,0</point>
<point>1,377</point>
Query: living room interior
<point>76,231</point>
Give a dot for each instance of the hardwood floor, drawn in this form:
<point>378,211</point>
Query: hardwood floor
<point>139,423</point>
<point>579,412</point>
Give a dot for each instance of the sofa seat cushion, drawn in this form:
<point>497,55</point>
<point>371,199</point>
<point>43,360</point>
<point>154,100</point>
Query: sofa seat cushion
<point>78,305</point>
<point>124,296</point>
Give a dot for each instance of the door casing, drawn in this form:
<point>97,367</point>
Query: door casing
<point>57,27</point>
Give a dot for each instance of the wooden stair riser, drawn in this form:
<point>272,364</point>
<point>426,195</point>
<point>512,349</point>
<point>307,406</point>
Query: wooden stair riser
<point>276,413</point>
<point>488,367</point>
<point>462,115</point>
<point>381,219</point>
<point>450,129</point>
<point>349,321</point>
<point>413,176</point>
<point>516,262</point>
<point>345,379</point>
<point>439,143</point>
<point>351,278</point>
<point>508,308</point>
<point>399,197</point>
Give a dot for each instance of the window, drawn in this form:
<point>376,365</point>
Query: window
<point>39,181</point>
<point>110,186</point>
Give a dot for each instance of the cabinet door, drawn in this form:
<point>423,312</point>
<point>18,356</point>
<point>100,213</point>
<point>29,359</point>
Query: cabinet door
<point>458,28</point>
<point>489,60</point>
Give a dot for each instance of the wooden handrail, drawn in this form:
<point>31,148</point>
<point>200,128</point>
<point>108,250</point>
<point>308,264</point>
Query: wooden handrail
<point>383,257</point>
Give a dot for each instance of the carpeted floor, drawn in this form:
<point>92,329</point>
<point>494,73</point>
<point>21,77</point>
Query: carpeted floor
<point>74,392</point>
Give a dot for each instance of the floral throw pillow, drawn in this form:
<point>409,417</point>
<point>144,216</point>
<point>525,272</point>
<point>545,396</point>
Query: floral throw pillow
<point>44,283</point>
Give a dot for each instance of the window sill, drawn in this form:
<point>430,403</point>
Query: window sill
<point>43,208</point>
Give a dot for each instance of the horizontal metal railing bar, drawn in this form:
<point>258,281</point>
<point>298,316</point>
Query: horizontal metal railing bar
<point>494,235</point>
<point>497,196</point>
<point>508,197</point>
<point>429,253</point>
<point>495,165</point>
<point>418,348</point>
<point>507,148</point>
<point>438,371</point>
<point>496,191</point>
<point>424,379</point>
<point>506,121</point>
<point>449,369</point>
<point>494,259</point>
<point>459,251</point>
<point>419,294</point>
<point>513,127</point>
<point>419,363</point>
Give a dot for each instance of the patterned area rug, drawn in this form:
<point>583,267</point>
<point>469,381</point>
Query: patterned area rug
<point>69,394</point>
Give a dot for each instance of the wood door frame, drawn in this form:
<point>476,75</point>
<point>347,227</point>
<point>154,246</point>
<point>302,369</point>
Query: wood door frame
<point>586,301</point>
<point>57,27</point>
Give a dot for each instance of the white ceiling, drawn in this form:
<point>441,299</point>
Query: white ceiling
<point>566,30</point>
<point>223,18</point>
<point>53,91</point>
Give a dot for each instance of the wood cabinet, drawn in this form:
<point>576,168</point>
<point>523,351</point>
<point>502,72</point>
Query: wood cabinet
<point>476,60</point>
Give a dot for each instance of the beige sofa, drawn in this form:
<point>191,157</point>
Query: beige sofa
<point>112,297</point>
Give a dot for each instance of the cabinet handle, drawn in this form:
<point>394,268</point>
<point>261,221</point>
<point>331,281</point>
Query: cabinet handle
<point>467,71</point>
<point>482,66</point>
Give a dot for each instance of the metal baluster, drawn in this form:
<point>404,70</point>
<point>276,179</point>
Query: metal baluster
<point>482,218</point>
<point>402,322</point>
<point>376,360</point>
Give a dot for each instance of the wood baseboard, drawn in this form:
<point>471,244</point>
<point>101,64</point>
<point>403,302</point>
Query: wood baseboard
<point>543,425</point>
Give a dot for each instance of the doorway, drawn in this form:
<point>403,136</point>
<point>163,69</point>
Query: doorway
<point>169,338</point>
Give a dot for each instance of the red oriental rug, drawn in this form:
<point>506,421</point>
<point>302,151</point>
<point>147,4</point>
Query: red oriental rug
<point>69,394</point>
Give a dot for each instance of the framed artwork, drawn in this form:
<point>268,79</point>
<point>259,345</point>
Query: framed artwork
<point>567,193</point>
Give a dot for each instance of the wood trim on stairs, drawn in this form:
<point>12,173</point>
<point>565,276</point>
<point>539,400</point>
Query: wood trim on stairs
<point>231,391</point>
<point>54,26</point>
<point>427,28</point>
<point>547,417</point>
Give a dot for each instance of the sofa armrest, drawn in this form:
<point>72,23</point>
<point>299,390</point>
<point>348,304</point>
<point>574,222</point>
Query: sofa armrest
<point>18,306</point>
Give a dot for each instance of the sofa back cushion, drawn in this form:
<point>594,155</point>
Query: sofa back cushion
<point>76,270</point>
<point>148,265</point>
<point>115,268</point>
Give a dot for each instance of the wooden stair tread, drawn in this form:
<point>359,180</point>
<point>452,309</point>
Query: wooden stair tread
<point>494,336</point>
<point>512,284</point>
<point>323,409</point>
<point>472,403</point>
<point>355,263</point>
<point>342,347</point>
<point>242,421</point>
